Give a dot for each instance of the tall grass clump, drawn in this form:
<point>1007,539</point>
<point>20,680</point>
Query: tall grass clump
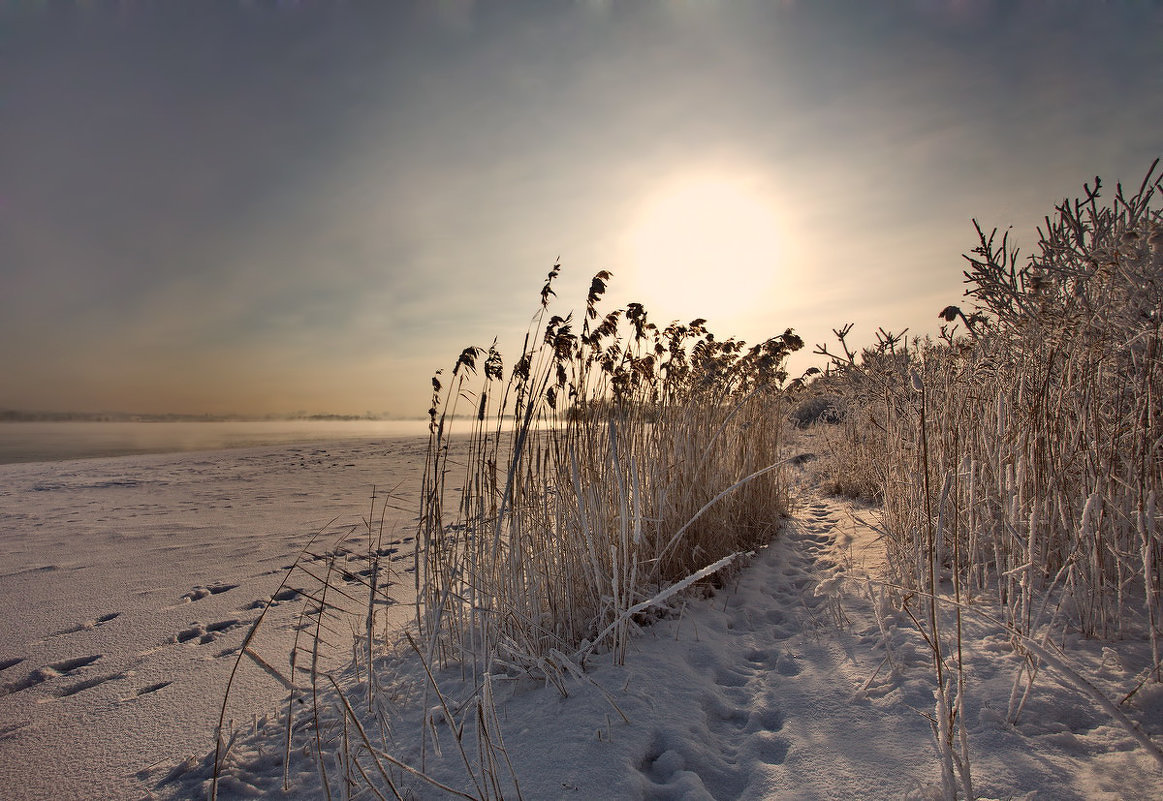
<point>612,463</point>
<point>565,497</point>
<point>1036,438</point>
<point>1020,457</point>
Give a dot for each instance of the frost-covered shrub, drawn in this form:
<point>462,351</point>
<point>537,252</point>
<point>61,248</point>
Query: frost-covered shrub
<point>1026,446</point>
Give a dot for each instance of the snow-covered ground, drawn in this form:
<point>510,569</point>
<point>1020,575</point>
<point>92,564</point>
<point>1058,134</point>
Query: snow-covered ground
<point>128,584</point>
<point>791,682</point>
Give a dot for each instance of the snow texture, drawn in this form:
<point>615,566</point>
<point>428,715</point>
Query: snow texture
<point>131,582</point>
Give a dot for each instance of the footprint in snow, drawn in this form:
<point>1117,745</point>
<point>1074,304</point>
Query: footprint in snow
<point>726,677</point>
<point>88,624</point>
<point>12,730</point>
<point>153,688</point>
<point>739,743</point>
<point>87,684</point>
<point>205,632</point>
<point>787,664</point>
<point>65,667</point>
<point>201,591</point>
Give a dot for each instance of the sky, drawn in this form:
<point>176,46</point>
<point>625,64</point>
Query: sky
<point>272,207</point>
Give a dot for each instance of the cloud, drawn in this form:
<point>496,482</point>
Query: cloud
<point>202,200</point>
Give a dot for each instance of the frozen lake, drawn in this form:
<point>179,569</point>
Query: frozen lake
<point>55,441</point>
<point>130,582</point>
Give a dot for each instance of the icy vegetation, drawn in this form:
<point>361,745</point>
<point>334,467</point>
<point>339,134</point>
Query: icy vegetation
<point>647,566</point>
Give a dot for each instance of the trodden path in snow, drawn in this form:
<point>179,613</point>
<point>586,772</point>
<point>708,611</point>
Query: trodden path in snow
<point>777,718</point>
<point>795,681</point>
<point>798,681</point>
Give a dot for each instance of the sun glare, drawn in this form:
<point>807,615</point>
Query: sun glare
<point>705,246</point>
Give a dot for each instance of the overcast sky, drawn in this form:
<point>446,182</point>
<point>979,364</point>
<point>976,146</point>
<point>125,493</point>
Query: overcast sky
<point>278,206</point>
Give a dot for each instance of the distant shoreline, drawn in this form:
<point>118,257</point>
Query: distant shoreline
<point>21,416</point>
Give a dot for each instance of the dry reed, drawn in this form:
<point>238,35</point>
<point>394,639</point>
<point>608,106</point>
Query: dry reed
<point>1027,467</point>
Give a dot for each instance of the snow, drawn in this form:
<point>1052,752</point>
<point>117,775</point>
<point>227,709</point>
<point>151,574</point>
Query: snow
<point>129,584</point>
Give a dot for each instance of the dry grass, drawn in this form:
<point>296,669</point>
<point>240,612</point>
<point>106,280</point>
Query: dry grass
<point>589,483</point>
<point>565,498</point>
<point>1022,459</point>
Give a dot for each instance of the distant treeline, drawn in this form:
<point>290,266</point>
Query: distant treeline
<point>18,416</point>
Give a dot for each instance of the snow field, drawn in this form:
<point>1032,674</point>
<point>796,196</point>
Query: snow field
<point>795,680</point>
<point>129,584</point>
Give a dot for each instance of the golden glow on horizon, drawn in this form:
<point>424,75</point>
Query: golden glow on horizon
<point>705,246</point>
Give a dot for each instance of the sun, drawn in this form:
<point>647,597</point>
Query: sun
<point>705,246</point>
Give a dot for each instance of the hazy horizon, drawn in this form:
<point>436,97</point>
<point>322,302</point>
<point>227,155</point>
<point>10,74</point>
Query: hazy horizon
<point>261,207</point>
<point>120,415</point>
